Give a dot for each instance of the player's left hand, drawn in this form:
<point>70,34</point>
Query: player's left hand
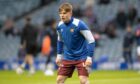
<point>88,62</point>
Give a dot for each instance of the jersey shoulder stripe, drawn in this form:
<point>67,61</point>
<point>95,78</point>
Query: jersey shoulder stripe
<point>76,21</point>
<point>60,23</point>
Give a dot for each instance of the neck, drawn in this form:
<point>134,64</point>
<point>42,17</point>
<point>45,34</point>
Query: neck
<point>70,21</point>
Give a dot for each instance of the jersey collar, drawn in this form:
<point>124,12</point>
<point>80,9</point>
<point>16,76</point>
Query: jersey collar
<point>71,20</point>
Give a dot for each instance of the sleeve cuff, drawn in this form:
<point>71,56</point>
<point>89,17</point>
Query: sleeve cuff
<point>59,56</point>
<point>89,58</point>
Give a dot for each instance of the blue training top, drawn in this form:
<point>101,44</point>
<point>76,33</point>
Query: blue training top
<point>75,40</point>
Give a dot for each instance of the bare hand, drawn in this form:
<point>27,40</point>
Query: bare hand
<point>58,61</point>
<point>88,62</point>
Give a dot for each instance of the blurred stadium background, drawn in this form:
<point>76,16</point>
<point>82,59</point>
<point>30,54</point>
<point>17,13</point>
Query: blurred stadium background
<point>107,19</point>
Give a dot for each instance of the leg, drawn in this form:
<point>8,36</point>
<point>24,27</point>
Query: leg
<point>27,60</point>
<point>30,61</point>
<point>138,53</point>
<point>20,69</point>
<point>48,59</point>
<point>61,79</point>
<point>65,71</point>
<point>130,58</point>
<point>84,80</point>
<point>31,50</point>
<point>82,72</point>
<point>125,56</point>
<point>49,70</point>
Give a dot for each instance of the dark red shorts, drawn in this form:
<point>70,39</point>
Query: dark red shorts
<point>68,67</point>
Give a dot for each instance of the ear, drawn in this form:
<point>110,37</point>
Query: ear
<point>71,13</point>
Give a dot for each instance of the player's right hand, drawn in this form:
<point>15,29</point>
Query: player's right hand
<point>59,60</point>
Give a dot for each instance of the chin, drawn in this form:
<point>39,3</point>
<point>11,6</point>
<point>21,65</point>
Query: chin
<point>64,21</point>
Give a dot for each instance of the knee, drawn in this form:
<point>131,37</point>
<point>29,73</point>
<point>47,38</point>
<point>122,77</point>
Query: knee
<point>60,81</point>
<point>84,81</point>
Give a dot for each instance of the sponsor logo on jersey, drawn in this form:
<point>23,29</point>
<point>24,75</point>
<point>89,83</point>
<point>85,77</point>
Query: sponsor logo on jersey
<point>72,30</point>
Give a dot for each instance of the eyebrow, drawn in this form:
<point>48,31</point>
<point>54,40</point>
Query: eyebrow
<point>62,12</point>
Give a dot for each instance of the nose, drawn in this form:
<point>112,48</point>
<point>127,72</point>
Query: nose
<point>62,15</point>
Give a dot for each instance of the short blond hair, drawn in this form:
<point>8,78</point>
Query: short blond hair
<point>67,7</point>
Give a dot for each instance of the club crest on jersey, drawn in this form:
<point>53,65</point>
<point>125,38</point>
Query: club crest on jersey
<point>71,30</point>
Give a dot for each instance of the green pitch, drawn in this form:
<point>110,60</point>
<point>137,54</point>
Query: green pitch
<point>96,77</point>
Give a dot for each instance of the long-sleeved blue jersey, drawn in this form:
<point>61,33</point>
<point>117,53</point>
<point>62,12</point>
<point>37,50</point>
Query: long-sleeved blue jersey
<point>75,41</point>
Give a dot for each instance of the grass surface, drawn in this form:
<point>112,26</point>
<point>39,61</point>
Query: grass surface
<point>96,77</point>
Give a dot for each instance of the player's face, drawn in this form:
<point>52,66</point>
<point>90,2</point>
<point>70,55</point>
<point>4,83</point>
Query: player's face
<point>65,16</point>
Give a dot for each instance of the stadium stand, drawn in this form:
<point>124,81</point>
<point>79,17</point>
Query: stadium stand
<point>110,48</point>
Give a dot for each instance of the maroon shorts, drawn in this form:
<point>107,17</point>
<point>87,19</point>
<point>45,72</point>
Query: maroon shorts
<point>68,67</point>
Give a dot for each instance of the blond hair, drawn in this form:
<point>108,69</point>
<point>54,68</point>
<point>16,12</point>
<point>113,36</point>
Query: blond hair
<point>67,7</point>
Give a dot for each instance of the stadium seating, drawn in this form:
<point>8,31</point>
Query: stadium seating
<point>112,48</point>
<point>13,8</point>
<point>8,47</point>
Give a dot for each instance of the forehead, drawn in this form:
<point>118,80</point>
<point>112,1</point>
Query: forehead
<point>63,11</point>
